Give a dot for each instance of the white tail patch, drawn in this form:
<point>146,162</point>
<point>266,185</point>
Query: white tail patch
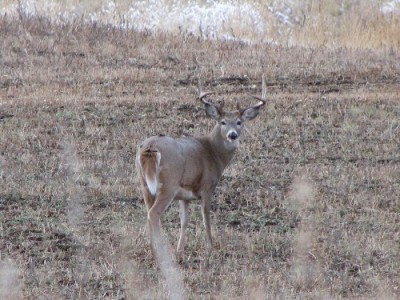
<point>152,181</point>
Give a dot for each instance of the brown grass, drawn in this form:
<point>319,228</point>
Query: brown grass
<point>324,23</point>
<point>349,24</point>
<point>309,208</point>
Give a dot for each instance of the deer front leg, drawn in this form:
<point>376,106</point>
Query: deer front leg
<point>205,211</point>
<point>184,212</point>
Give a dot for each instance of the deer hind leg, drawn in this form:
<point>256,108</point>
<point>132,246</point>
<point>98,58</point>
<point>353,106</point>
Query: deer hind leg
<point>184,212</point>
<point>148,198</point>
<point>162,201</point>
<point>149,201</point>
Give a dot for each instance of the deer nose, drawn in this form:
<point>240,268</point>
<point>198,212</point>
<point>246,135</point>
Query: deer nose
<point>233,135</point>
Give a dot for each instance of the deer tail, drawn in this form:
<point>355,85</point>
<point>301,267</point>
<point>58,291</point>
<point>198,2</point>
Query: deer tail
<point>149,161</point>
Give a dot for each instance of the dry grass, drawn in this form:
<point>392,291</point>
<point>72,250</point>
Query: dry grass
<point>350,24</point>
<point>366,24</point>
<point>308,209</point>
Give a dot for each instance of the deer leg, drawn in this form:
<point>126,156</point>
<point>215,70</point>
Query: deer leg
<point>184,212</point>
<point>205,211</point>
<point>163,200</point>
<point>148,198</point>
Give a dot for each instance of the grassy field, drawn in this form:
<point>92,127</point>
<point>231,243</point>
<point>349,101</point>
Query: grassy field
<point>308,209</point>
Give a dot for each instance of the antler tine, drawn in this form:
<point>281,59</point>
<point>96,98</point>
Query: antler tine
<point>263,98</point>
<point>201,93</point>
<point>263,88</point>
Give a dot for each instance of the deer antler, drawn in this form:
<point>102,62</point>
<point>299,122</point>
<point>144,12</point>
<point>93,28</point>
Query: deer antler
<point>212,110</point>
<point>251,112</point>
<point>263,99</point>
<point>202,94</point>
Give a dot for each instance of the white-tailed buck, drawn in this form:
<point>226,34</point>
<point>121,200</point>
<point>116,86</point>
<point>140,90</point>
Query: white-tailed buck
<point>189,168</point>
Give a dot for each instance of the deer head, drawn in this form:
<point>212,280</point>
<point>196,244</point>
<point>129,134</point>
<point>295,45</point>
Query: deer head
<point>231,124</point>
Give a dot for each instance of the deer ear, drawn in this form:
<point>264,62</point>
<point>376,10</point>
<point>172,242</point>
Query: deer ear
<point>212,111</point>
<point>250,113</point>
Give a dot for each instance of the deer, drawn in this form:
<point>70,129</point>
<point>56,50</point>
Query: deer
<point>189,168</point>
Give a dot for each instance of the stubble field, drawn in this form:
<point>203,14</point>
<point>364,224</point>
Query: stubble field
<point>308,209</point>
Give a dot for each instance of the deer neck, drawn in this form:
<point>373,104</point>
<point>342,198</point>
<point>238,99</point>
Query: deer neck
<point>223,151</point>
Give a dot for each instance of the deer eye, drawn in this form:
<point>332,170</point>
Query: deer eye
<point>223,122</point>
<point>238,122</point>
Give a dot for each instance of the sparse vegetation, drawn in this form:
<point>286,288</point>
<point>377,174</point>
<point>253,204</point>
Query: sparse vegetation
<point>308,209</point>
